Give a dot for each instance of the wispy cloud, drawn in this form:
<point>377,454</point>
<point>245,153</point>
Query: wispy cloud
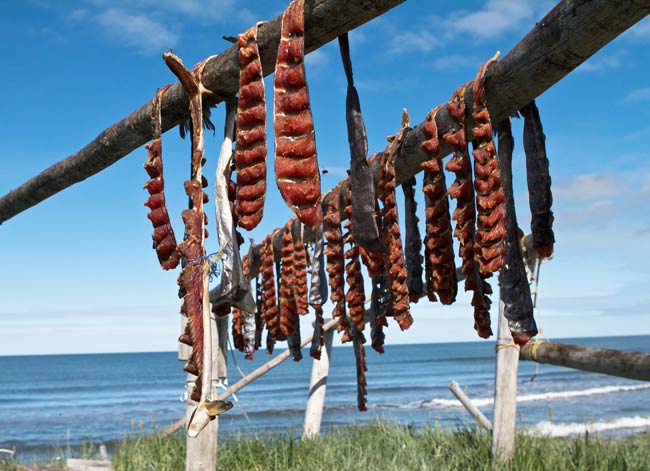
<point>640,31</point>
<point>495,19</point>
<point>413,41</point>
<point>586,187</point>
<point>136,30</point>
<point>640,94</point>
<point>454,61</point>
<point>317,58</point>
<point>604,61</point>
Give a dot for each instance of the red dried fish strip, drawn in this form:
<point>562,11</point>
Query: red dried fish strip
<point>270,313</point>
<point>250,153</point>
<point>440,269</point>
<point>193,280</point>
<point>288,309</point>
<point>465,213</point>
<point>164,241</point>
<point>513,282</point>
<point>356,296</point>
<point>296,164</point>
<point>391,237</point>
<point>540,197</point>
<point>490,234</point>
<point>299,269</point>
<point>335,260</point>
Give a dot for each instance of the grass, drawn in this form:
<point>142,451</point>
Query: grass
<point>387,446</point>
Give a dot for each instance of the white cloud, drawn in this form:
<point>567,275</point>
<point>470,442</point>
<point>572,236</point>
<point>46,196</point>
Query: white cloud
<point>640,31</point>
<point>454,61</point>
<point>587,187</point>
<point>640,94</point>
<point>136,30</point>
<point>413,41</point>
<point>317,58</point>
<point>496,18</point>
<point>602,62</point>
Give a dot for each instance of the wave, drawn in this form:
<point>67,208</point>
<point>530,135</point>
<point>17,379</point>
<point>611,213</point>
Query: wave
<point>486,401</point>
<point>579,428</point>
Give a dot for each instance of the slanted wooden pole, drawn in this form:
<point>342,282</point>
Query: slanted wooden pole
<point>317,387</point>
<point>505,392</point>
<point>469,405</point>
<point>261,371</point>
<point>561,41</point>
<point>633,365</point>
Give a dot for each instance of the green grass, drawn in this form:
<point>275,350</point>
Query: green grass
<point>385,446</point>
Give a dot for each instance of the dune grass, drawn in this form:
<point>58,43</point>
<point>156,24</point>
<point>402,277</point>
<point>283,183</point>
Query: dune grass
<point>386,446</point>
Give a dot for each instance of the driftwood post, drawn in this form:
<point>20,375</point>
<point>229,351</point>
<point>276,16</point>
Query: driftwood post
<point>505,392</point>
<point>201,454</point>
<point>317,387</point>
<point>469,405</point>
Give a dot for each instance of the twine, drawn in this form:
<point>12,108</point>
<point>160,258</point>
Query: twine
<point>215,260</point>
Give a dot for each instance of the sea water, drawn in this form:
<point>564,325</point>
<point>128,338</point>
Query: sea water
<point>63,401</point>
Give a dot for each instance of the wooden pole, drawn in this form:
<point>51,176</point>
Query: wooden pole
<point>505,392</point>
<point>317,387</point>
<point>201,453</point>
<point>469,405</point>
<point>633,365</point>
<point>568,35</point>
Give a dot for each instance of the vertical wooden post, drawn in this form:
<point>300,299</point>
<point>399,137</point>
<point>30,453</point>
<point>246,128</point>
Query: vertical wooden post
<point>201,453</point>
<point>505,392</point>
<point>317,387</point>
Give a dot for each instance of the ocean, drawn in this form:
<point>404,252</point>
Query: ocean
<point>51,401</point>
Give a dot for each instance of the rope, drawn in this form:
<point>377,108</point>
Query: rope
<point>214,260</point>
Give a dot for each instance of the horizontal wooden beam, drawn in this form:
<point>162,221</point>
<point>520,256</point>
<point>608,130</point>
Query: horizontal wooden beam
<point>569,34</point>
<point>633,365</point>
<point>325,20</point>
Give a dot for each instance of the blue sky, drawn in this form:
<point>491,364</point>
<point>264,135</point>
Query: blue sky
<point>78,272</point>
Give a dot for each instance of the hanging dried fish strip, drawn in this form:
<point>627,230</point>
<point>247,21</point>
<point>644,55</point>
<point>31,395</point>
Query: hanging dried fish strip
<point>399,303</point>
<point>440,270</point>
<point>317,291</point>
<point>490,233</point>
<point>259,300</point>
<point>465,213</point>
<point>356,296</point>
<point>374,261</point>
<point>270,313</point>
<point>539,182</point>
<point>513,282</point>
<point>296,164</point>
<point>237,329</point>
<point>288,309</point>
<point>248,317</point>
<point>164,241</point>
<point>193,280</point>
<point>412,242</point>
<point>250,153</point>
<point>362,368</point>
<point>335,260</point>
<point>233,288</point>
<point>299,269</point>
<point>378,308</point>
<point>364,227</point>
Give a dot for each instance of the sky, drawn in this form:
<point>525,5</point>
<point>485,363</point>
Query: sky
<point>78,272</point>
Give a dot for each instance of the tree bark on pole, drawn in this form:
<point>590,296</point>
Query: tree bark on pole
<point>568,35</point>
<point>505,392</point>
<point>632,365</point>
<point>317,387</point>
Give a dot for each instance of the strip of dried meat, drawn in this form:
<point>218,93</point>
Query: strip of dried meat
<point>250,153</point>
<point>540,197</point>
<point>440,268</point>
<point>412,242</point>
<point>356,296</point>
<point>364,228</point>
<point>288,309</point>
<point>399,301</point>
<point>514,288</point>
<point>296,164</point>
<point>164,240</point>
<point>299,269</point>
